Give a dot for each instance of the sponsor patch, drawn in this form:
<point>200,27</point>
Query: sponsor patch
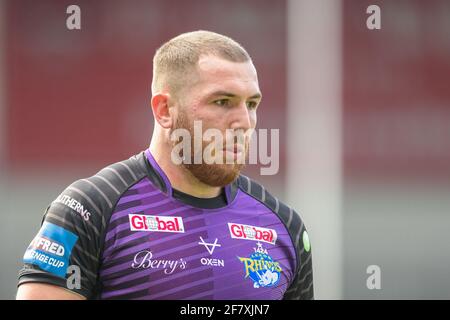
<point>74,205</point>
<point>141,222</point>
<point>51,248</point>
<point>243,231</point>
<point>210,247</point>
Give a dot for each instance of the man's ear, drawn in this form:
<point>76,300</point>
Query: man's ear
<point>160,107</point>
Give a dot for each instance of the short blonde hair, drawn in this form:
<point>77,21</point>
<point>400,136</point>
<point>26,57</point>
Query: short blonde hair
<point>179,56</point>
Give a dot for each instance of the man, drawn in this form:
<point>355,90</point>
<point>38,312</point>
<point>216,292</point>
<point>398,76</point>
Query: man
<point>151,227</point>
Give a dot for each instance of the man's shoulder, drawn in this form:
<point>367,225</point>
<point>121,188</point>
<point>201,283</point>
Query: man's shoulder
<point>101,191</point>
<point>288,215</point>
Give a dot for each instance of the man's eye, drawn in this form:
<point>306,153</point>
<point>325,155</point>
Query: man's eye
<point>222,102</point>
<point>252,105</point>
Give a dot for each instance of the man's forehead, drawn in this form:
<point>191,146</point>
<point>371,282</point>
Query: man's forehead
<point>215,73</point>
<point>209,66</point>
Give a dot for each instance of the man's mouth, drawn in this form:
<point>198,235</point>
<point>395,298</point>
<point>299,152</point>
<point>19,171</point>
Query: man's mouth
<point>236,149</point>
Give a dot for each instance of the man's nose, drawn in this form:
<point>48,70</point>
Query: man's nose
<point>241,118</point>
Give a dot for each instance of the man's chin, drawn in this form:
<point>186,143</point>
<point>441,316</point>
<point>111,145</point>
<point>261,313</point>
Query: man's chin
<point>215,175</point>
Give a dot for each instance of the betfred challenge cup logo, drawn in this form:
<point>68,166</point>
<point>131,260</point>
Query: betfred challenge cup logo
<point>261,268</point>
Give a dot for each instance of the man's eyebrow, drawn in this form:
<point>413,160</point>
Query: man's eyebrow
<point>232,95</point>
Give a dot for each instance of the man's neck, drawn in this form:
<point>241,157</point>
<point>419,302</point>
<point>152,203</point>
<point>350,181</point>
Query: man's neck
<point>180,178</point>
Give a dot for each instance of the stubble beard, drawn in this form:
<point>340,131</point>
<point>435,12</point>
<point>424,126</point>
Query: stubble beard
<point>215,174</point>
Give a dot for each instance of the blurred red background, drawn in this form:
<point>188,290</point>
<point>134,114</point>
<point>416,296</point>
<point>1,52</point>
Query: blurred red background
<point>82,96</point>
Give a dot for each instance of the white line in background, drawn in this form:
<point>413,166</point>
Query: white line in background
<point>314,173</point>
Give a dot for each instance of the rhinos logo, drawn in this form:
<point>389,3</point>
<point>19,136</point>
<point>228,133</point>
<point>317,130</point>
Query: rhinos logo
<point>261,268</point>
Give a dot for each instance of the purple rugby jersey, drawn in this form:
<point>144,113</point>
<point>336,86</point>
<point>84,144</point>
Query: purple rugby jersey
<point>127,234</point>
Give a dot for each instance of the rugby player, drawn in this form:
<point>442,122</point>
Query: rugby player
<point>151,228</point>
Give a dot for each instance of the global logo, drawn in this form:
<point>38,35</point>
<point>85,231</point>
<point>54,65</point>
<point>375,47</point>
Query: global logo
<point>246,232</point>
<point>261,268</point>
<point>140,222</point>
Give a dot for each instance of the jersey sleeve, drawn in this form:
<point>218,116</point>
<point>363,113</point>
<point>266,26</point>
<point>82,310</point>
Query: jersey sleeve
<point>66,250</point>
<point>302,287</point>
